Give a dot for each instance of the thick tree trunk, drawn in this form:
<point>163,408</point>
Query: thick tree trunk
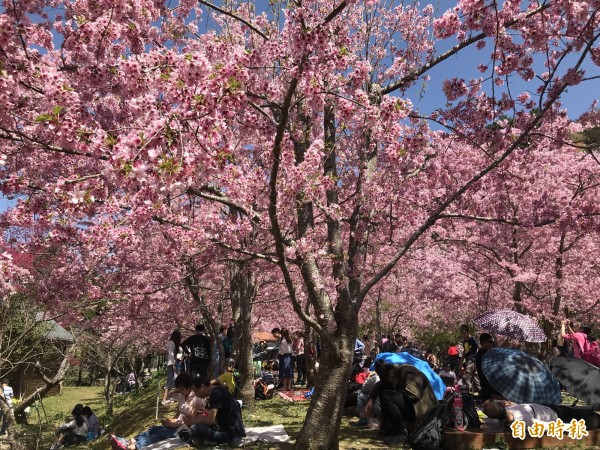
<point>243,291</point>
<point>245,366</point>
<point>327,402</point>
<point>310,353</point>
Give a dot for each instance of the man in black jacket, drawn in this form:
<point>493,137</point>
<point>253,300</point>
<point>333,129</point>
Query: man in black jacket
<point>199,348</point>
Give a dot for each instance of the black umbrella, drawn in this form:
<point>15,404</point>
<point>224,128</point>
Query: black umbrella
<point>580,378</point>
<point>520,377</point>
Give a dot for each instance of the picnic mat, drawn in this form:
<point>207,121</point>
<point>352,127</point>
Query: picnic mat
<point>167,444</point>
<point>274,433</point>
<point>293,396</point>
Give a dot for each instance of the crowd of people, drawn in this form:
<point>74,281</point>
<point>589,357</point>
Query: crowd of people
<point>206,411</point>
<point>393,398</point>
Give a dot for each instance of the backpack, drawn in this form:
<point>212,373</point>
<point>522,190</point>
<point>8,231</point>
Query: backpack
<point>262,391</point>
<point>430,431</point>
<point>591,352</point>
<point>470,412</point>
<point>470,418</point>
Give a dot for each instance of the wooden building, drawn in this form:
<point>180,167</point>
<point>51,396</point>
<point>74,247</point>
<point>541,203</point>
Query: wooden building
<point>56,341</point>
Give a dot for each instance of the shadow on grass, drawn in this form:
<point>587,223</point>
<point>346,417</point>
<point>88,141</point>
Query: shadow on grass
<point>135,412</point>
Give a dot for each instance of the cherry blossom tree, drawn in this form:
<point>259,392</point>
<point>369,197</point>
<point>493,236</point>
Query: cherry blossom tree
<point>305,125</point>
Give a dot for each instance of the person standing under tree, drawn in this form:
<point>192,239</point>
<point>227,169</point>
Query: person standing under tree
<point>298,347</point>
<point>199,348</point>
<point>8,395</point>
<point>486,343</point>
<point>172,350</point>
<point>286,368</point>
<point>470,346</point>
<point>578,338</point>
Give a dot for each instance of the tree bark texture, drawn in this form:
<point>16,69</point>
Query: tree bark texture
<point>243,291</point>
<point>322,423</point>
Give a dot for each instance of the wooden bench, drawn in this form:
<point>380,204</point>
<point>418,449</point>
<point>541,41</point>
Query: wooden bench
<point>467,440</point>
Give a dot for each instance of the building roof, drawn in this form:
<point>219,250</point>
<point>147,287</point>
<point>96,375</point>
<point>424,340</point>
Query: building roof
<point>258,336</point>
<point>55,331</point>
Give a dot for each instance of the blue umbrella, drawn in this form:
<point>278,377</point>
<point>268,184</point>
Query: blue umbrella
<point>439,388</point>
<point>520,377</point>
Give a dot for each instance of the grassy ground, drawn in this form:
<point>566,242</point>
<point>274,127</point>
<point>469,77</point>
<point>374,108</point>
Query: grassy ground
<point>136,411</point>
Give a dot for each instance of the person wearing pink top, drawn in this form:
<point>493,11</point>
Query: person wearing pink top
<point>189,406</point>
<point>579,337</point>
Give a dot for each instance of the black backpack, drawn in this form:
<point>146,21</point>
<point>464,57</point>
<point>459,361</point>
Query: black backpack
<point>470,412</point>
<point>430,431</point>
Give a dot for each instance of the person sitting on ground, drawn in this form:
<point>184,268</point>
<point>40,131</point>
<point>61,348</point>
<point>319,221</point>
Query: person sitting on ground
<point>131,380</point>
<point>363,398</point>
<point>227,378</point>
<point>529,412</point>
<point>265,385</point>
<point>189,406</point>
<point>222,422</point>
<point>74,431</point>
<point>270,375</point>
<point>406,396</point>
<point>93,423</point>
<point>486,342</point>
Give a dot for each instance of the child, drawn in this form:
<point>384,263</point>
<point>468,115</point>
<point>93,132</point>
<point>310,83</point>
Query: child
<point>8,394</point>
<point>270,375</point>
<point>228,377</point>
<point>265,385</point>
<point>93,423</point>
<point>73,432</point>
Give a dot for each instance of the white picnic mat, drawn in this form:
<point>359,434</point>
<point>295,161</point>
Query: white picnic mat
<point>170,443</point>
<point>274,433</point>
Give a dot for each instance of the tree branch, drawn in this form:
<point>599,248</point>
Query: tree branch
<point>454,50</point>
<point>435,215</point>
<point>233,16</point>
